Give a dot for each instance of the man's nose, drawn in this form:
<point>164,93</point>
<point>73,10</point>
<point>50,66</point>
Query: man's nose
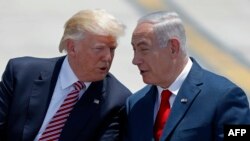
<point>108,55</point>
<point>136,60</point>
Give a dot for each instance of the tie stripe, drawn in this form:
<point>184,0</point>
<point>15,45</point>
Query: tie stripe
<point>55,126</point>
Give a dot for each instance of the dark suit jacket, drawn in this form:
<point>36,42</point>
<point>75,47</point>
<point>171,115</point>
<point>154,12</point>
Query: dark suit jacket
<point>25,93</point>
<point>212,101</point>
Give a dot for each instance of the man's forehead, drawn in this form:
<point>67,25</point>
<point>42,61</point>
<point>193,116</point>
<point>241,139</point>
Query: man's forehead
<point>110,38</point>
<point>142,27</point>
<point>101,37</point>
<point>105,39</point>
<point>141,36</point>
<point>138,38</point>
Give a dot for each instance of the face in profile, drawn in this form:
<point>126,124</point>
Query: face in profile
<point>92,56</point>
<point>153,62</point>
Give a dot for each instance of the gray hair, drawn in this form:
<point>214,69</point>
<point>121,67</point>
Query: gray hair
<point>166,25</point>
<point>97,21</point>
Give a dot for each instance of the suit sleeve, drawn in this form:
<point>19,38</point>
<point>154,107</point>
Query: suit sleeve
<point>6,90</point>
<point>115,127</point>
<point>233,109</point>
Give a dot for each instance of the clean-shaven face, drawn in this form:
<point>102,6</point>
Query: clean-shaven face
<point>153,62</point>
<point>93,56</point>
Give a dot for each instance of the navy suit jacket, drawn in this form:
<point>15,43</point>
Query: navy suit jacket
<point>25,93</point>
<point>212,101</point>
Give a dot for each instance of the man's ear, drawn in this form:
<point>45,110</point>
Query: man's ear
<point>175,46</point>
<point>70,46</point>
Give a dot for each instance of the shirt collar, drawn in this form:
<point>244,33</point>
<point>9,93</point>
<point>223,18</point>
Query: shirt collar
<point>176,85</point>
<point>67,76</point>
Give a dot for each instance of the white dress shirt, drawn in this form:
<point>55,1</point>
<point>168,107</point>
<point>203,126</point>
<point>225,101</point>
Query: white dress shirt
<point>173,88</point>
<point>64,86</point>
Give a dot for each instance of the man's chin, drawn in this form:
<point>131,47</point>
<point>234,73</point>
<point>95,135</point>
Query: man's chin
<point>100,77</point>
<point>146,80</point>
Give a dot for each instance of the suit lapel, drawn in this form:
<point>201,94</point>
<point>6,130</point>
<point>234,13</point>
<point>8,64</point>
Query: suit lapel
<point>84,109</point>
<point>187,94</point>
<point>149,115</point>
<point>40,97</point>
<point>143,121</point>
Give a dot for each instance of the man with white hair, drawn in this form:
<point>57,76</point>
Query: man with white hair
<point>182,101</point>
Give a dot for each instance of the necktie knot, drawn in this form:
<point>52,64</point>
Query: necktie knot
<point>79,85</point>
<point>165,95</point>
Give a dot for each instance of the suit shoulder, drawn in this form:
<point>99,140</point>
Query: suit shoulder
<point>218,81</point>
<point>140,93</point>
<point>31,61</point>
<point>30,66</point>
<point>116,85</point>
<point>209,79</point>
<point>221,88</point>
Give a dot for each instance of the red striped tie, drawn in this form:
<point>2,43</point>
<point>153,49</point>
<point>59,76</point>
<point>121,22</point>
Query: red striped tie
<point>55,126</point>
<point>162,115</point>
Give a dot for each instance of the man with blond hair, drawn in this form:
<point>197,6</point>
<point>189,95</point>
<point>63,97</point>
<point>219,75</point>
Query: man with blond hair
<point>68,98</point>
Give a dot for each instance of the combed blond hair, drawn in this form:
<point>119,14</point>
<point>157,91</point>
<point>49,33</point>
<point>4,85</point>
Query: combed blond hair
<point>96,21</point>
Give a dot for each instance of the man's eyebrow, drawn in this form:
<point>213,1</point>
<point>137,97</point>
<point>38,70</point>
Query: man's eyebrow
<point>139,42</point>
<point>104,44</point>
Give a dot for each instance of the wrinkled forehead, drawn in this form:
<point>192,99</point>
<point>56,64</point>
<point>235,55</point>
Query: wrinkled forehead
<point>143,31</point>
<point>144,27</point>
<point>103,39</point>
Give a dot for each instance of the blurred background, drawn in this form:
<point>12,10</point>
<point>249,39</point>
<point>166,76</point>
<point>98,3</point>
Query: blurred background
<point>218,32</point>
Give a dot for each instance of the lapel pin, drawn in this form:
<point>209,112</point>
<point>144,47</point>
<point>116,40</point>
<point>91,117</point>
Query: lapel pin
<point>184,100</point>
<point>96,101</point>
